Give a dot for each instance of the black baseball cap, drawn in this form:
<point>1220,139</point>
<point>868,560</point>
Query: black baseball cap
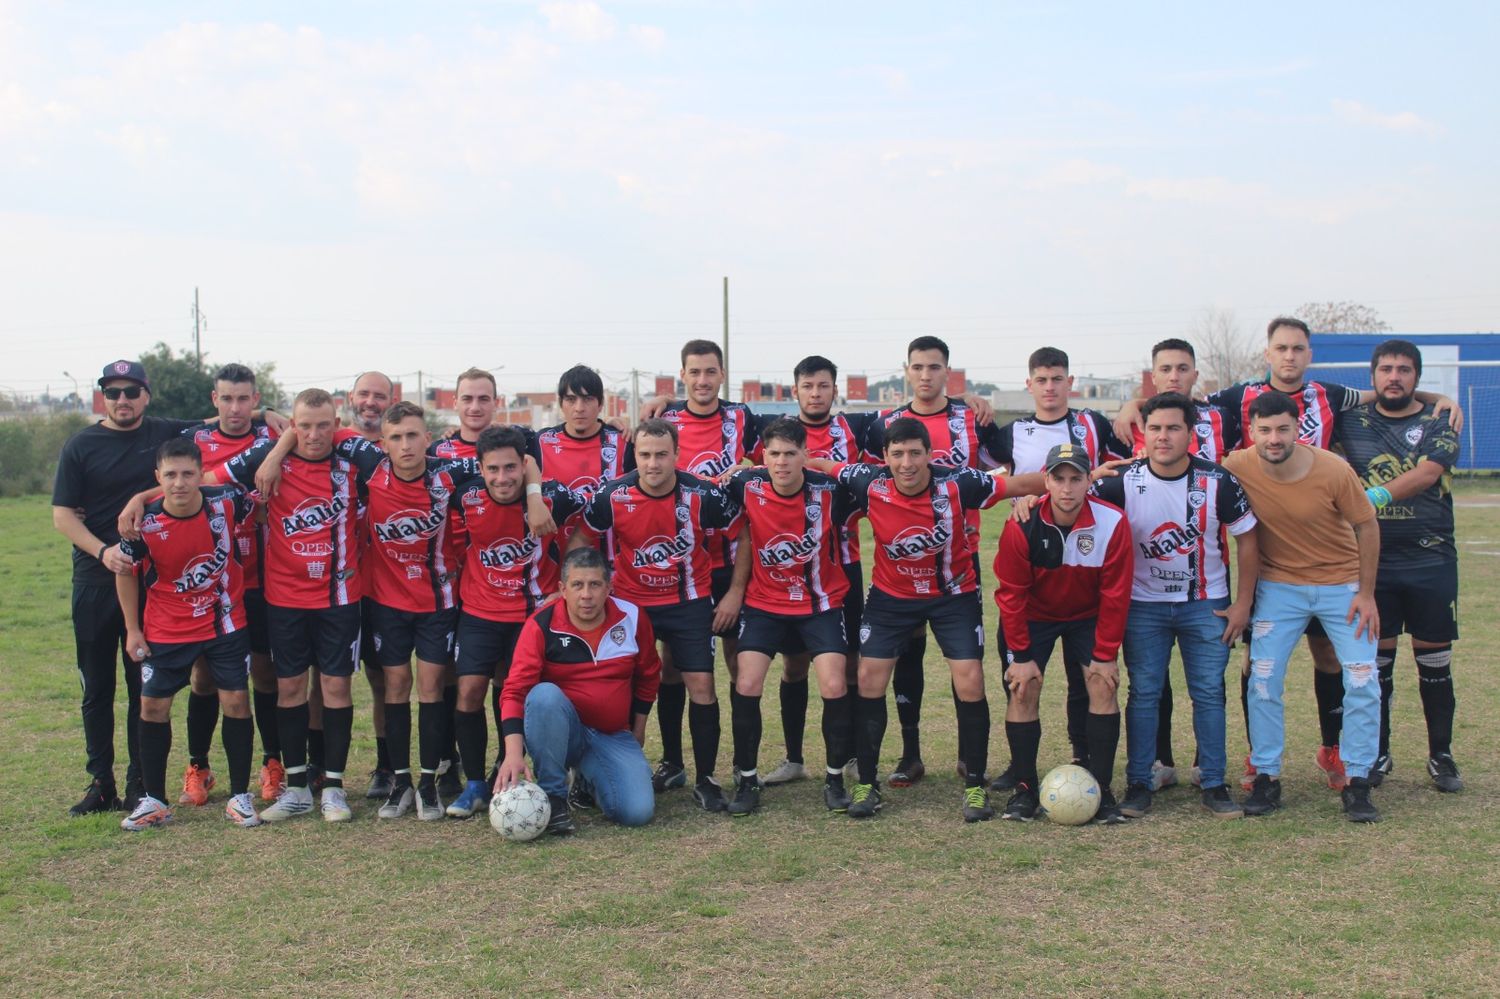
<point>1069,454</point>
<point>133,371</point>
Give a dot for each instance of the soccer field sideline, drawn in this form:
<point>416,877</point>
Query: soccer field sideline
<point>792,900</point>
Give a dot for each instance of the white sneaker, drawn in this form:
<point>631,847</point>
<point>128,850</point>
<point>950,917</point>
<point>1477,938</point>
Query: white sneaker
<point>400,802</point>
<point>429,805</point>
<point>785,773</point>
<point>335,806</point>
<point>148,814</point>
<point>294,801</point>
<point>240,809</point>
<point>1162,775</point>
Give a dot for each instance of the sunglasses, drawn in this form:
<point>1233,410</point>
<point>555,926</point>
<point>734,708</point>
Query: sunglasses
<point>128,391</point>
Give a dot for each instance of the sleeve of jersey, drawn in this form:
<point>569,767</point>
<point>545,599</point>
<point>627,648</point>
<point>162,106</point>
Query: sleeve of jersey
<point>598,513</point>
<point>1114,594</point>
<point>980,490</point>
<point>719,509</point>
<point>1234,507</point>
<point>1110,446</point>
<point>1112,490</point>
<point>991,445</point>
<point>243,466</point>
<point>1347,397</point>
<point>366,457</point>
<point>1013,574</point>
<point>1439,444</point>
<point>855,479</point>
<point>627,464</point>
<point>135,550</point>
<point>566,504</point>
<point>1228,398</point>
<point>647,668</point>
<point>874,441</point>
<point>752,428</point>
<point>525,673</point>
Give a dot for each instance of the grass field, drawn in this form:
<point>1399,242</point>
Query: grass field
<point>792,901</point>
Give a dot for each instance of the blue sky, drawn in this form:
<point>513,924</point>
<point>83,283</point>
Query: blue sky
<point>439,185</point>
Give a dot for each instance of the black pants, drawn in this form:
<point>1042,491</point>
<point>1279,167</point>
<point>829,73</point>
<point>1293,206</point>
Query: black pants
<point>99,633</point>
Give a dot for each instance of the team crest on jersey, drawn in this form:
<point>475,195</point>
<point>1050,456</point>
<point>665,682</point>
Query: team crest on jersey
<point>683,515</point>
<point>216,524</point>
<point>1196,498</point>
<point>607,454</point>
<point>617,634</point>
<point>1414,434</point>
<point>151,525</point>
<point>1080,431</point>
<point>1085,541</point>
<point>1205,430</point>
<point>339,477</point>
<point>940,503</point>
<point>475,498</point>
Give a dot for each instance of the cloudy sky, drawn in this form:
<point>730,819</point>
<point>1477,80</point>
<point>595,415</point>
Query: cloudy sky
<point>430,186</point>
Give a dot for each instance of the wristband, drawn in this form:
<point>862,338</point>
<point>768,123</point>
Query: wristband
<point>1380,496</point>
<point>533,489</point>
<point>102,549</point>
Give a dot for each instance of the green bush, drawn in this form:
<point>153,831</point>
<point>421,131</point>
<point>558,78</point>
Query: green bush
<point>29,447</point>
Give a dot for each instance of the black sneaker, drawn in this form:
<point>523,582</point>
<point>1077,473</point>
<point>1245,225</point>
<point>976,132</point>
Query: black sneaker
<point>1265,796</point>
<point>1357,804</point>
<point>1023,805</point>
<point>560,823</point>
<point>835,795</point>
<point>135,790</point>
<point>1383,765</point>
<point>581,794</point>
<point>977,804</point>
<point>1444,773</point>
<point>709,795</point>
<point>99,797</point>
<point>382,783</point>
<point>1109,813</point>
<point>1218,801</point>
<point>667,776</point>
<point>746,797</point>
<point>907,772</point>
<point>1137,801</point>
<point>1007,781</point>
<point>864,801</point>
<point>449,784</point>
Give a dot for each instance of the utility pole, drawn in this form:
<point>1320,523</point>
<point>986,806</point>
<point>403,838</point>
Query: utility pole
<point>421,399</point>
<point>635,395</point>
<point>198,329</point>
<point>726,337</point>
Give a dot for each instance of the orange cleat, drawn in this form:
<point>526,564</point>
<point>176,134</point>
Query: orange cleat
<point>272,779</point>
<point>196,783</point>
<point>1247,780</point>
<point>1332,767</point>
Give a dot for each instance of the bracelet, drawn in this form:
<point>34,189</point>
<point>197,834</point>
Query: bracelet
<point>102,549</point>
<point>533,489</point>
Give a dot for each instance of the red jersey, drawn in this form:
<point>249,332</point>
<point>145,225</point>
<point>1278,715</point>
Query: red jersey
<point>708,446</point>
<point>839,438</point>
<point>412,561</point>
<point>795,567</point>
<point>922,549</point>
<point>609,674</point>
<point>583,464</point>
<point>195,587</point>
<point>659,543</point>
<point>1215,432</point>
<point>1049,573</point>
<point>1318,403</point>
<point>958,441</point>
<point>217,447</point>
<point>453,444</point>
<point>508,571</point>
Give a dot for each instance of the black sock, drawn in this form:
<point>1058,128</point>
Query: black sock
<point>383,742</point>
<point>156,744</point>
<point>909,681</point>
<point>1164,726</point>
<point>703,725</point>
<point>1385,668</point>
<point>1245,704</point>
<point>449,743</point>
<point>794,716</point>
<point>495,713</point>
<point>398,737</point>
<point>338,725</point>
<point>974,737</point>
<point>745,724</point>
<point>869,733</point>
<point>265,724</point>
<point>238,735</point>
<point>1328,688</point>
<point>671,702</point>
<point>1104,742</point>
<point>1024,739</point>
<point>291,723</point>
<point>1435,684</point>
<point>960,733</point>
<point>202,716</point>
<point>432,728</point>
<point>473,742</point>
<point>316,751</point>
<point>1078,711</point>
<point>838,730</point>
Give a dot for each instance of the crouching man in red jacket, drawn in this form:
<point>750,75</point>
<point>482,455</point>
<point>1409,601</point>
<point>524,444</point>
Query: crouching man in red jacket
<point>581,684</point>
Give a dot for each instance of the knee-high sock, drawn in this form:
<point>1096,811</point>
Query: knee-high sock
<point>671,701</point>
<point>1329,690</point>
<point>202,716</point>
<point>974,738</point>
<point>1164,726</point>
<point>238,736</point>
<point>432,732</point>
<point>838,731</point>
<point>1385,668</point>
<point>1078,711</point>
<point>909,681</point>
<point>1024,739</point>
<point>793,716</point>
<point>495,710</point>
<point>1435,683</point>
<point>449,743</point>
<point>745,723</point>
<point>338,726</point>
<point>473,742</point>
<point>291,723</point>
<point>265,724</point>
<point>1104,742</point>
<point>703,724</point>
<point>869,733</point>
<point>316,748</point>
<point>383,745</point>
<point>398,737</point>
<point>156,743</point>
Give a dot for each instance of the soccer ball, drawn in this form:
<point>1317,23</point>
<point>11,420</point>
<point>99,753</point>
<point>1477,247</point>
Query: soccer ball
<point>520,812</point>
<point>1070,795</point>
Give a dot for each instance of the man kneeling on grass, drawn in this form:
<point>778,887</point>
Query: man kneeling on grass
<point>582,681</point>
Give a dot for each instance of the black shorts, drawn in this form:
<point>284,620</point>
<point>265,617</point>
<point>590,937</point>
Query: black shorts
<point>787,634</point>
<point>255,619</point>
<point>485,647</point>
<point>367,632</point>
<point>397,633</point>
<point>956,620</point>
<point>718,585</point>
<point>1077,642</point>
<point>169,667</point>
<point>854,608</point>
<point>1421,601</point>
<point>687,630</point>
<point>325,638</point>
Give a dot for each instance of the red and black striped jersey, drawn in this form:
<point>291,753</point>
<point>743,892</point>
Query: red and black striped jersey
<point>659,544</point>
<point>794,541</point>
<point>958,441</point>
<point>217,447</point>
<point>839,438</point>
<point>412,557</point>
<point>1215,433</point>
<point>711,444</point>
<point>1318,403</point>
<point>508,571</point>
<point>1024,443</point>
<point>195,587</point>
<point>583,464</point>
<point>453,445</point>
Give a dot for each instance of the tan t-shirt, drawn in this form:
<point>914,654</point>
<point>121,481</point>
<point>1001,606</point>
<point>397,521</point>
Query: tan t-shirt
<point>1305,528</point>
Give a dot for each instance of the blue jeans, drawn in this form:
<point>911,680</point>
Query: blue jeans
<point>1282,611</point>
<point>1150,631</point>
<point>613,762</point>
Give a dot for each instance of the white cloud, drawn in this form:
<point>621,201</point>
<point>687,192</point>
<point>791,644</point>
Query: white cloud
<point>648,37</point>
<point>1076,173</point>
<point>1401,121</point>
<point>583,21</point>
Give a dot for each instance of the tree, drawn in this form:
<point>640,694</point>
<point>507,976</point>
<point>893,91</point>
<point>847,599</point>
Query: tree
<point>181,386</point>
<point>1226,352</point>
<point>1341,317</point>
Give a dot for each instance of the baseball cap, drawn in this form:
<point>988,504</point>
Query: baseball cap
<point>133,371</point>
<point>1069,454</point>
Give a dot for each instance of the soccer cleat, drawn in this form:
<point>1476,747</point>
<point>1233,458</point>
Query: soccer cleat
<point>240,809</point>
<point>135,790</point>
<point>148,814</point>
<point>1137,801</point>
<point>1444,773</point>
<point>99,797</point>
<point>709,795</point>
<point>1357,804</point>
<point>196,783</point>
<point>449,783</point>
<point>429,805</point>
<point>401,800</point>
<point>746,797</point>
<point>581,792</point>
<point>1162,776</point>
<point>864,801</point>
<point>1007,780</point>
<point>907,772</point>
<point>1247,779</point>
<point>1109,813</point>
<point>1218,801</point>
<point>1265,796</point>
<point>835,795</point>
<point>272,779</point>
<point>785,773</point>
<point>667,776</point>
<point>292,802</point>
<point>1332,767</point>
<point>977,804</point>
<point>560,823</point>
<point>1384,764</point>
<point>475,798</point>
<point>1023,805</point>
<point>334,805</point>
<point>381,783</point>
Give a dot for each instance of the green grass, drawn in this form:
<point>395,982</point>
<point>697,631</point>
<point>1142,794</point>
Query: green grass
<point>792,901</point>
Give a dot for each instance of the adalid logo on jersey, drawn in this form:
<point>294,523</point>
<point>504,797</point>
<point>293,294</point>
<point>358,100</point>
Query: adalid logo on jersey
<point>314,514</point>
<point>710,464</point>
<point>409,525</point>
<point>202,571</point>
<point>788,548</point>
<point>917,542</point>
<point>661,551</point>
<point>508,552</point>
<point>1169,539</point>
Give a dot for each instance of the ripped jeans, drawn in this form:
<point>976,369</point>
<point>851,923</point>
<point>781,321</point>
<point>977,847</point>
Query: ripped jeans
<point>1282,611</point>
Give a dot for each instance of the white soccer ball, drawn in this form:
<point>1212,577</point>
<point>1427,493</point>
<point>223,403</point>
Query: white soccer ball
<point>1070,795</point>
<point>520,812</point>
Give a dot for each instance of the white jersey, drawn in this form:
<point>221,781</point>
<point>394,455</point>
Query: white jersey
<point>1024,443</point>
